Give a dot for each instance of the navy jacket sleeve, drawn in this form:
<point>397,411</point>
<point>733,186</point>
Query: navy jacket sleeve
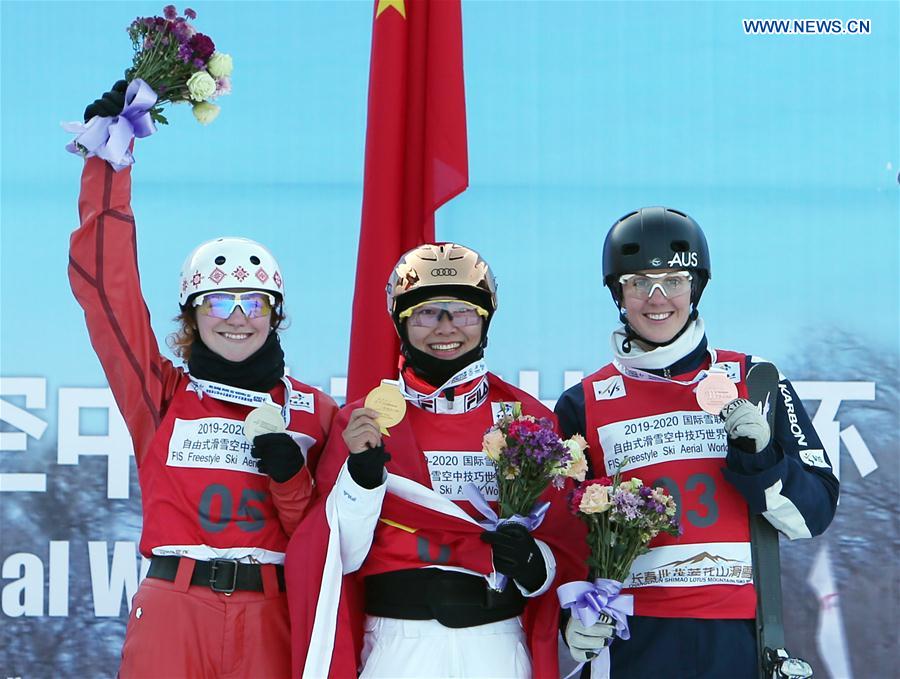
<point>570,411</point>
<point>791,481</point>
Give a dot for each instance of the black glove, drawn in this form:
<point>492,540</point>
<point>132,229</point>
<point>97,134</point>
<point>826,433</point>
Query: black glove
<point>110,104</point>
<point>517,555</point>
<point>279,456</point>
<point>367,468</point>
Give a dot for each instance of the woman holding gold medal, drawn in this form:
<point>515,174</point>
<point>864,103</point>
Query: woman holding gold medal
<point>220,448</point>
<point>674,412</point>
<point>419,600</point>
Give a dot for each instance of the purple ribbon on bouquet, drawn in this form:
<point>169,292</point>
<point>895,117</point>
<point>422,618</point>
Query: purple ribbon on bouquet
<point>109,137</point>
<point>589,600</point>
<point>493,522</point>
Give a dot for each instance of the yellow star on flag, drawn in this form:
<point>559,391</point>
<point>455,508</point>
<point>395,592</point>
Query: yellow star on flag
<point>399,5</point>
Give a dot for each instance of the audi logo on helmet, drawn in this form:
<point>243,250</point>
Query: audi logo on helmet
<point>447,271</point>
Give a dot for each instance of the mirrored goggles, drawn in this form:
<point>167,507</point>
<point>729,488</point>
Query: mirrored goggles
<point>428,314</point>
<point>254,304</point>
<point>641,286</point>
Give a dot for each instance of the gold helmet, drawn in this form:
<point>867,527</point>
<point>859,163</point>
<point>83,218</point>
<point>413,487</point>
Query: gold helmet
<point>437,269</point>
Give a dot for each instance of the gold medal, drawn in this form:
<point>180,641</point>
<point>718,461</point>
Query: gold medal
<point>714,391</point>
<point>389,402</point>
<point>263,420</point>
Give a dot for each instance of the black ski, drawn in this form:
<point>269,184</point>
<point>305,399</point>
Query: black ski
<point>774,661</point>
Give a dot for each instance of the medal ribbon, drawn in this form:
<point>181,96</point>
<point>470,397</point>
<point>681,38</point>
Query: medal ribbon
<point>643,376</point>
<point>245,397</point>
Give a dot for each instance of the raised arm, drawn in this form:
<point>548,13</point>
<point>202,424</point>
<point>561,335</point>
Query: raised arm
<point>104,276</point>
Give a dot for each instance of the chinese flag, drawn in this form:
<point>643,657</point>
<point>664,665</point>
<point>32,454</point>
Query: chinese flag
<point>416,160</point>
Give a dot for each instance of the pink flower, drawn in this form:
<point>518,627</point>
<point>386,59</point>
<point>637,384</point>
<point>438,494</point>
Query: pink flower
<point>223,86</point>
<point>520,428</point>
<point>189,13</point>
<point>170,12</point>
<point>575,500</point>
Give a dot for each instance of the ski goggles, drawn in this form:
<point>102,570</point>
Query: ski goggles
<point>428,314</point>
<point>254,304</point>
<point>641,286</point>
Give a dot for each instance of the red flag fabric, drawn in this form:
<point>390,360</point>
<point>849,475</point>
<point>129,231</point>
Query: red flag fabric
<point>416,160</point>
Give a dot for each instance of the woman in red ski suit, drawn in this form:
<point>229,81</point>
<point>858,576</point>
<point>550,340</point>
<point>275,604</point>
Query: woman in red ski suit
<point>218,505</point>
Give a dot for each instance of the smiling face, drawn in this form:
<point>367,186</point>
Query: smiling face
<point>657,318</point>
<point>235,338</point>
<point>445,340</point>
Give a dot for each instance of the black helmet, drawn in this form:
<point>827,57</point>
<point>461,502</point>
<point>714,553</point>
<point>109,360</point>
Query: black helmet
<point>655,238</point>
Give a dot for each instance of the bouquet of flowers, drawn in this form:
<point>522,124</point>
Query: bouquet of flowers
<point>622,518</point>
<point>178,63</point>
<point>528,455</point>
<point>172,63</point>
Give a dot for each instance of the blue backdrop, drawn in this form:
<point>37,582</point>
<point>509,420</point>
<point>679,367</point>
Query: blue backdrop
<point>785,148</point>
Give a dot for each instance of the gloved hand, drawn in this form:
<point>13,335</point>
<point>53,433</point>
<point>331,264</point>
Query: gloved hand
<point>517,555</point>
<point>367,467</point>
<point>745,426</point>
<point>279,456</point>
<point>586,642</point>
<point>109,104</point>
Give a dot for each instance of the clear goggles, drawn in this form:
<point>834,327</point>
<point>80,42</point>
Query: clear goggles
<point>641,286</point>
<point>254,304</point>
<point>428,314</point>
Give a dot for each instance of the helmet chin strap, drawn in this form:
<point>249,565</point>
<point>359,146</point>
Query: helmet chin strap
<point>434,370</point>
<point>630,333</point>
<point>437,371</point>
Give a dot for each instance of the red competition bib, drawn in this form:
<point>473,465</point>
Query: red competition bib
<point>200,486</point>
<point>655,430</point>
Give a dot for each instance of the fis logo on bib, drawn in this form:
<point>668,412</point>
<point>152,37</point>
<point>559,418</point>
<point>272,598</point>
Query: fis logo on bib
<point>610,388</point>
<point>505,409</point>
<point>731,368</point>
<point>684,259</point>
<point>301,401</point>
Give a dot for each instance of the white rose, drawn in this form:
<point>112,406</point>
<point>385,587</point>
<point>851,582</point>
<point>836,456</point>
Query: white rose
<point>219,65</point>
<point>201,86</point>
<point>205,112</point>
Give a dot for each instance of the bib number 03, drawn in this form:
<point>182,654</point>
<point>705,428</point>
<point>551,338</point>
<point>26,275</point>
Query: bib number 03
<point>706,486</point>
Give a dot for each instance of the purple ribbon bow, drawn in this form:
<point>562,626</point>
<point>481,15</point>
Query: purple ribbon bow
<point>493,522</point>
<point>589,600</point>
<point>109,137</point>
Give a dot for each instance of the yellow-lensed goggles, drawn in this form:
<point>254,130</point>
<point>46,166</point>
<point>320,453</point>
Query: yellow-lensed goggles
<point>429,313</point>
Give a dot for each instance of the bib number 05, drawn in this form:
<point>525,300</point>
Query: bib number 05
<point>216,509</point>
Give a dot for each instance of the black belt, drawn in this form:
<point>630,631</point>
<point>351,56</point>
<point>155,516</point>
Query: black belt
<point>220,575</point>
<point>453,599</point>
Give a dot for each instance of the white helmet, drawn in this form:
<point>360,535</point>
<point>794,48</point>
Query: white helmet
<point>224,263</point>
